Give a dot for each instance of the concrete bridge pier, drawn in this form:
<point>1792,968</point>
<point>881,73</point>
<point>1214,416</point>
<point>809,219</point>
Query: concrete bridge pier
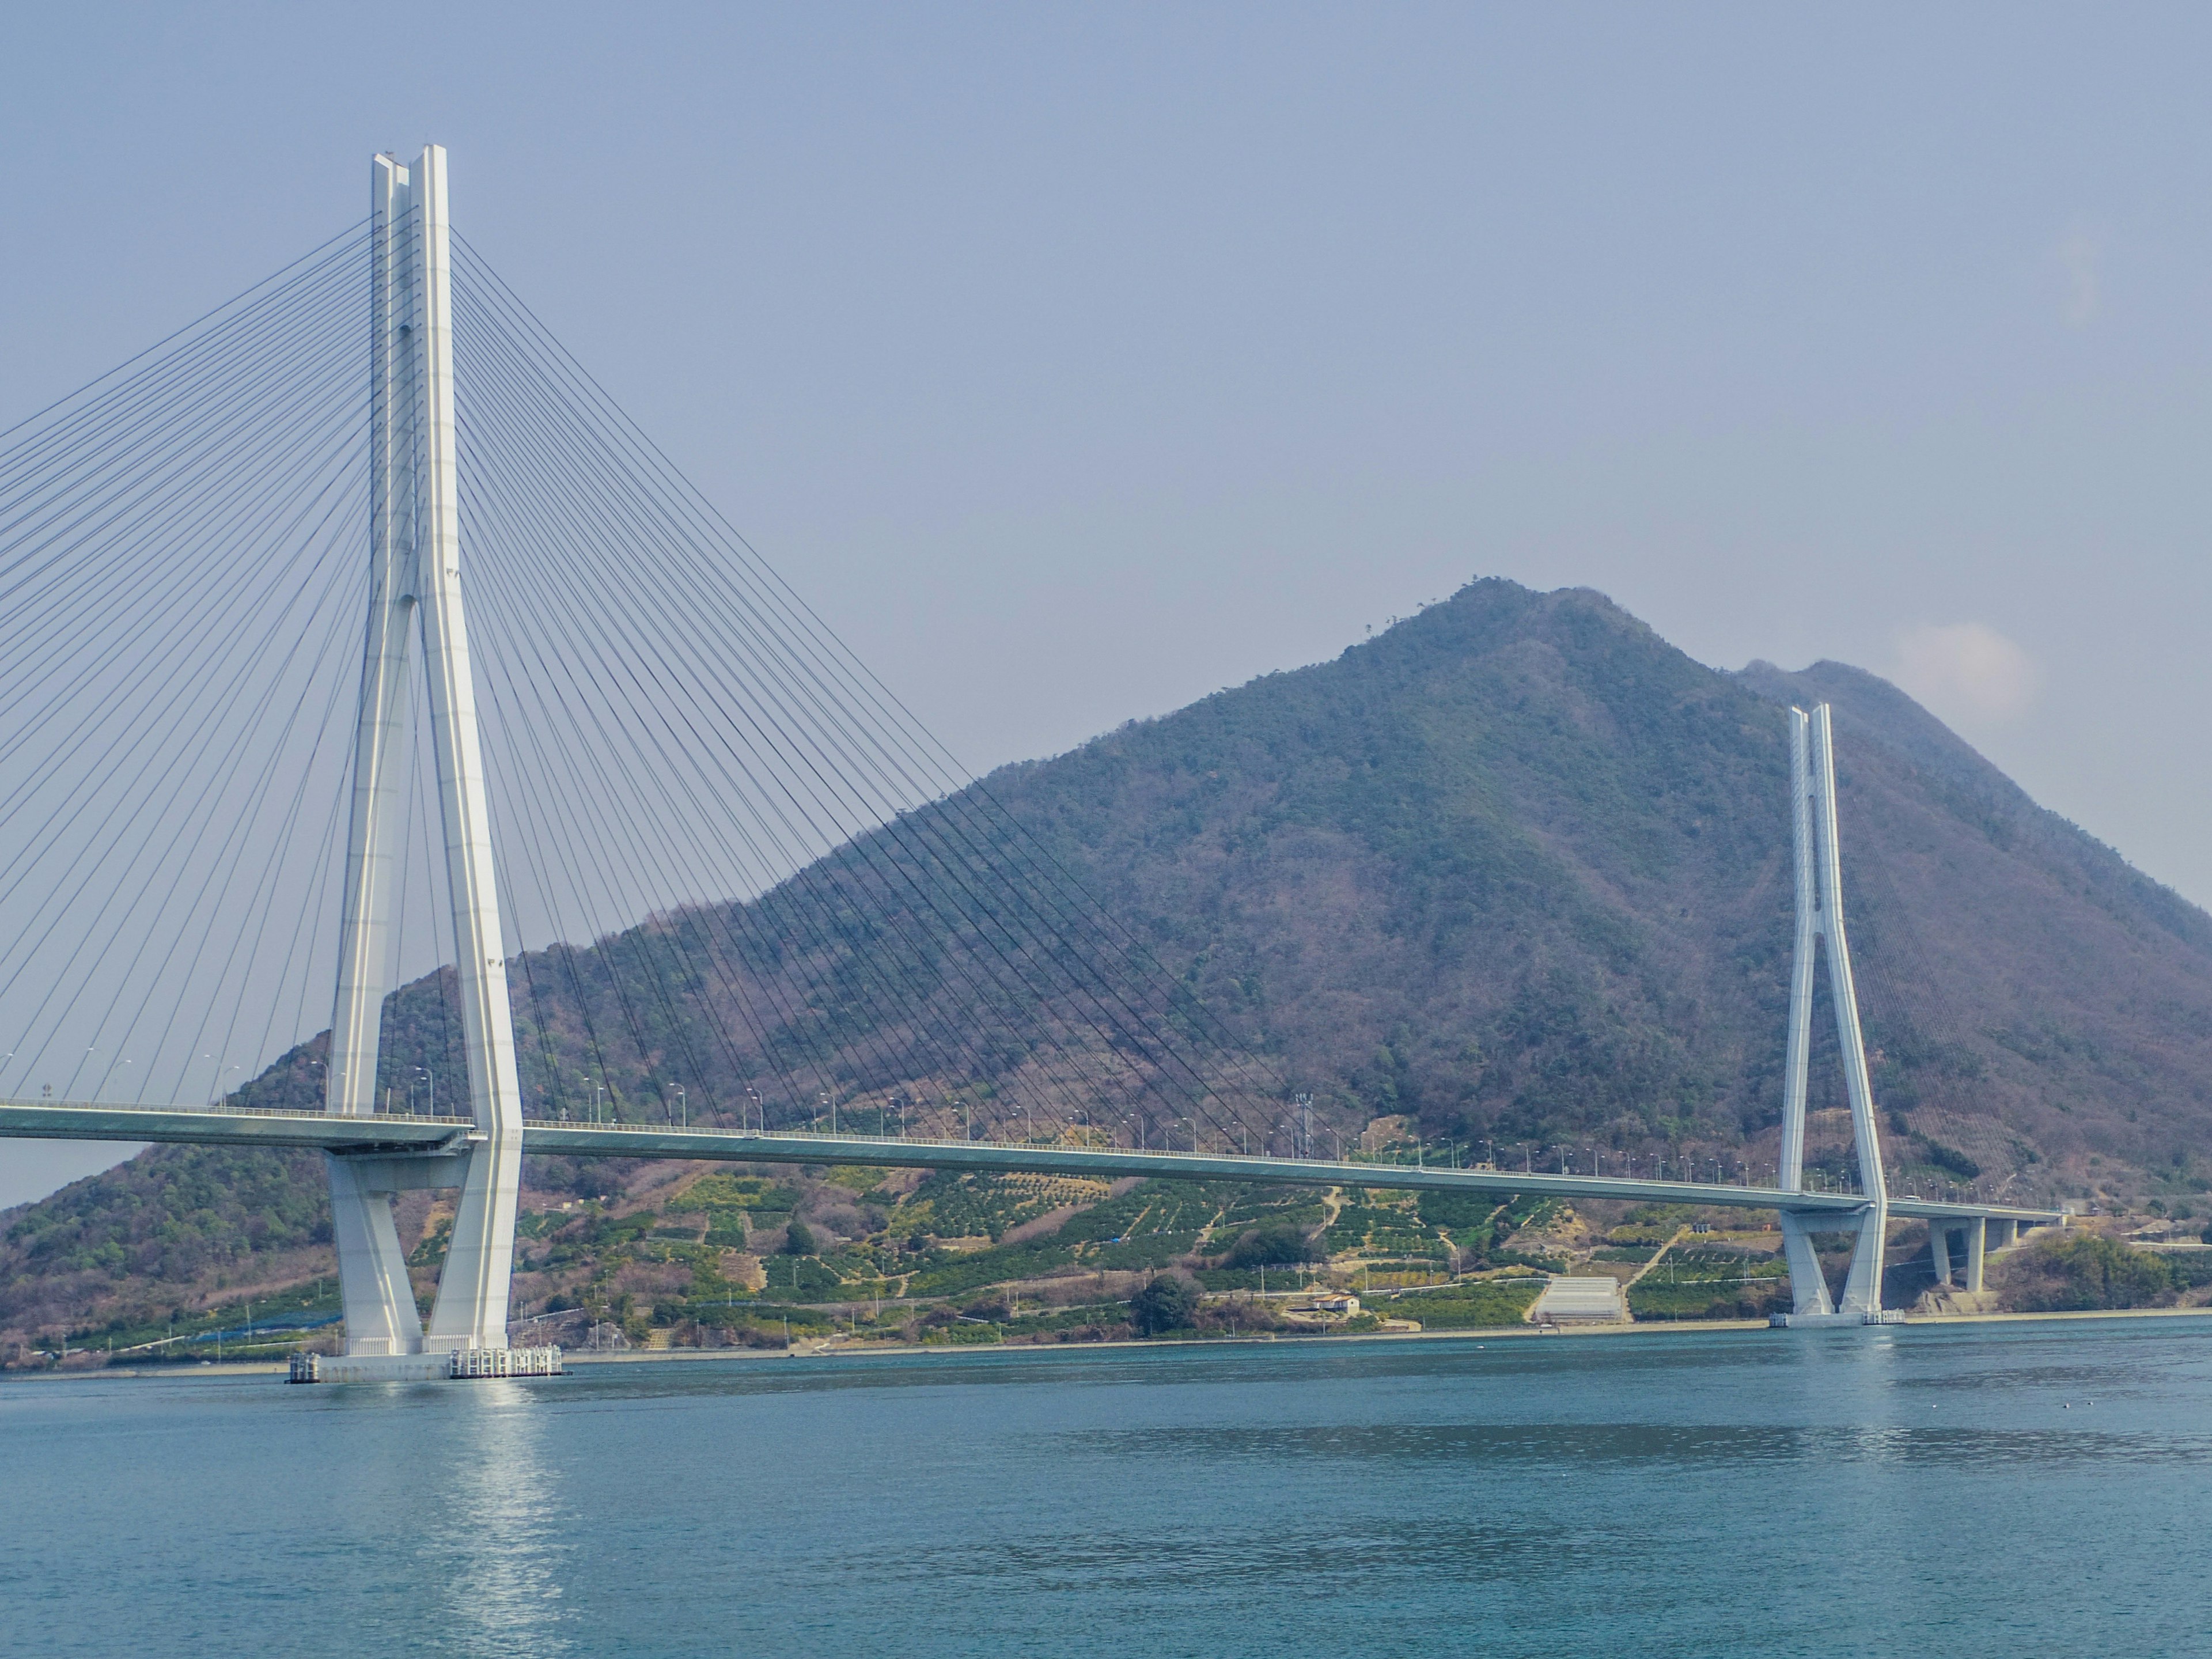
<point>1974,1232</point>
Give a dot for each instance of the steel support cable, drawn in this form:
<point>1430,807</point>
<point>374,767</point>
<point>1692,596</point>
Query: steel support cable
<point>556,955</point>
<point>248,928</point>
<point>145,415</point>
<point>883,1061</point>
<point>510,813</point>
<point>826,650</point>
<point>1063,946</point>
<point>615,600</point>
<point>528,730</point>
<point>149,932</point>
<point>91,587</point>
<point>524,637</point>
<point>190,396</point>
<point>876,864</point>
<point>767,757</point>
<point>287,620</point>
<point>756,626</point>
<point>758,590</point>
<point>1175,995</point>
<point>523,822</point>
<point>324,907</point>
<point>687,784</point>
<point>676,1029</point>
<point>324,896</point>
<point>169,684</point>
<point>357,228</point>
<point>198,812</point>
<point>156,785</point>
<point>183,407</point>
<point>1155,1061</point>
<point>1897,931</point>
<point>487,587</point>
<point>819,715</point>
<point>188,634</point>
<point>104,1027</point>
<point>560,957</point>
<point>524,645</point>
<point>169,566</point>
<point>216,784</point>
<point>437,882</point>
<point>179,711</point>
<point>487,517</point>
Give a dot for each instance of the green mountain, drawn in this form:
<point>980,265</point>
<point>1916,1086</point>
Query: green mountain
<point>1516,870</point>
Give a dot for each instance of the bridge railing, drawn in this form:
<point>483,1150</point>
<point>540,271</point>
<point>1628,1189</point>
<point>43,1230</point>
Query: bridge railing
<point>1395,1158</point>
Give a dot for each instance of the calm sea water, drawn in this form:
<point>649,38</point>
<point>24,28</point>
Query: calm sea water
<point>1946,1491</point>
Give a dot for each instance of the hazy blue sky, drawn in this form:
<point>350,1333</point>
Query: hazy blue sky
<point>1077,363</point>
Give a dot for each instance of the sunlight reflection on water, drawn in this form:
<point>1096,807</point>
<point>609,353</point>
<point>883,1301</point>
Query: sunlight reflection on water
<point>497,1535</point>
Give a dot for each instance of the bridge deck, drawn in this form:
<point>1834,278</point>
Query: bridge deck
<point>56,1120</point>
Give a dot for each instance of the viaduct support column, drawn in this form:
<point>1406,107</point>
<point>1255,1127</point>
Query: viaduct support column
<point>1939,1250</point>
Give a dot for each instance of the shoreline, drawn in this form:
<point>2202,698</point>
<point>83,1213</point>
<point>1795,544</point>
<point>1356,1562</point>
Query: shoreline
<point>887,1350</point>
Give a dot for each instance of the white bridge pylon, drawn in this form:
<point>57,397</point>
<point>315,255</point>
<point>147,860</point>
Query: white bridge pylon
<point>1820,921</point>
<point>415,558</point>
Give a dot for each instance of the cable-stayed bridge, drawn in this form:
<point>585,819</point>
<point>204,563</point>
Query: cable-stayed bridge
<point>296,832</point>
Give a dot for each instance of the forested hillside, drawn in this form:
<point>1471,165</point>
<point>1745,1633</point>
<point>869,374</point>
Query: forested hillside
<point>1516,869</point>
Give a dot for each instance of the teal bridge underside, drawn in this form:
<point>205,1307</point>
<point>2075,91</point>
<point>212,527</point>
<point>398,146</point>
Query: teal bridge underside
<point>391,1133</point>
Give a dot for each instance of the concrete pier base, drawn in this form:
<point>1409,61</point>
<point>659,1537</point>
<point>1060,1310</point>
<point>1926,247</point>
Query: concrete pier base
<point>456,1365</point>
<point>1812,1322</point>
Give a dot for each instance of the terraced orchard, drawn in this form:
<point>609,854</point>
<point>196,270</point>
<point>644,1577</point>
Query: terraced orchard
<point>670,1254</point>
<point>766,1257</point>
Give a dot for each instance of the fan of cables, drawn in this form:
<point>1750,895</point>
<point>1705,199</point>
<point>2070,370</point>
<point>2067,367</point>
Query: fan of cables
<point>741,882</point>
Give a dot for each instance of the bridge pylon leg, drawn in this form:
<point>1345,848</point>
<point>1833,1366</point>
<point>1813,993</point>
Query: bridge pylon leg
<point>1809,1288</point>
<point>379,1302</point>
<point>1939,1250</point>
